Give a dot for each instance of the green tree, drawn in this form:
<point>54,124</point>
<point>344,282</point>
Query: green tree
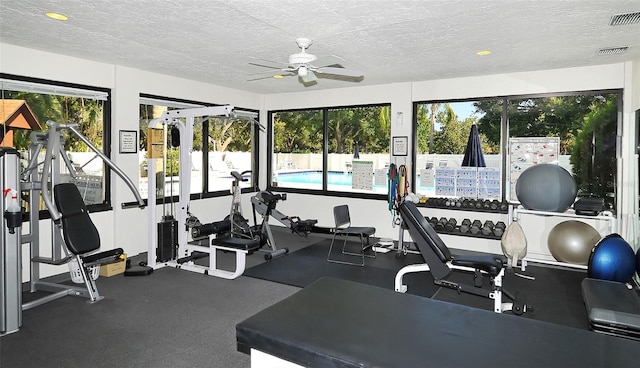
<point>423,131</point>
<point>86,113</point>
<point>596,141</point>
<point>298,131</point>
<point>558,116</point>
<point>453,134</point>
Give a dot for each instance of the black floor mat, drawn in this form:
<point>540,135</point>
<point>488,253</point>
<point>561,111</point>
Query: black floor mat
<point>555,293</point>
<point>306,265</point>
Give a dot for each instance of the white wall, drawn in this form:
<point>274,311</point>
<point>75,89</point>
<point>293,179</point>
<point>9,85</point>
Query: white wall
<point>128,228</point>
<point>401,96</point>
<point>118,228</point>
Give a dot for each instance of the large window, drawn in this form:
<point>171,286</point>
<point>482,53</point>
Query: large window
<point>342,149</point>
<point>29,104</point>
<point>220,145</point>
<point>575,130</point>
<point>585,127</point>
<point>442,135</point>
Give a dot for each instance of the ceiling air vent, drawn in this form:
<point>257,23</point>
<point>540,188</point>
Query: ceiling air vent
<point>625,19</point>
<point>613,50</point>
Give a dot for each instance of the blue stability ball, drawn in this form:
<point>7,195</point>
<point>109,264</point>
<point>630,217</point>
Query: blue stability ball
<point>546,187</point>
<point>612,259</point>
<point>638,262</point>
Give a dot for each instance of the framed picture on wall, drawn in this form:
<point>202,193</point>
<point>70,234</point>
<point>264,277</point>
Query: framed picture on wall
<point>400,146</point>
<point>128,141</point>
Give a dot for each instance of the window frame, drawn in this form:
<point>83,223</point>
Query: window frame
<point>325,154</point>
<point>48,84</point>
<point>205,192</point>
<point>504,131</point>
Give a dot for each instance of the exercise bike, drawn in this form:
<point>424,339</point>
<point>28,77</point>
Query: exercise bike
<point>264,204</point>
<point>240,227</point>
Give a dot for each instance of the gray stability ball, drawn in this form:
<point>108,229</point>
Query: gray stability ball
<point>546,187</point>
<point>572,241</point>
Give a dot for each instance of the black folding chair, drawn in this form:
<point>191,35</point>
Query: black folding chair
<point>344,228</point>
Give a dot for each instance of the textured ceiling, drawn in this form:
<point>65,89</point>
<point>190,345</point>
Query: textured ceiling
<point>390,41</point>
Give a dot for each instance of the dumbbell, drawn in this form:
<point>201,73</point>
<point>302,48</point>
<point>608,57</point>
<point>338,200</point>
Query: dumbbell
<point>487,228</point>
<point>465,226</point>
<point>433,221</point>
<point>504,206</point>
<point>498,230</point>
<point>495,205</point>
<point>486,204</point>
<point>450,226</point>
<point>479,204</point>
<point>476,225</point>
<point>440,223</point>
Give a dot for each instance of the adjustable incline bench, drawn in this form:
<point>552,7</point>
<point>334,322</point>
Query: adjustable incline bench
<point>440,263</point>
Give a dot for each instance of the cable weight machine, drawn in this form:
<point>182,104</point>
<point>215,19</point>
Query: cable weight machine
<point>176,236</point>
<point>35,181</point>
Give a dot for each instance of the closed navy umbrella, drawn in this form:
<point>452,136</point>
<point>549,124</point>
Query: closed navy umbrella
<point>356,151</point>
<point>473,153</point>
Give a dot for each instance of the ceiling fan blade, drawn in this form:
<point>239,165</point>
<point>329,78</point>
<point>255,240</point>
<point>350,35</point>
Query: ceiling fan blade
<point>265,66</point>
<point>261,78</point>
<point>340,71</point>
<point>285,73</point>
<point>269,61</point>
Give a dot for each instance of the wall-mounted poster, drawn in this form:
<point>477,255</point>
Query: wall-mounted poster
<point>400,146</point>
<point>128,141</point>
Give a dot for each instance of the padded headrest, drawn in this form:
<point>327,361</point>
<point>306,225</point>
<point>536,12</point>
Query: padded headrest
<point>80,234</point>
<point>68,199</point>
<point>411,213</point>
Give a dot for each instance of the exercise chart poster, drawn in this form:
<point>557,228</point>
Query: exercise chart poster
<point>362,175</point>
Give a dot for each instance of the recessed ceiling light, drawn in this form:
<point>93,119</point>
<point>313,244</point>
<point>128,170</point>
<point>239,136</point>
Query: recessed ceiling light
<point>57,16</point>
<point>278,76</point>
<point>483,52</point>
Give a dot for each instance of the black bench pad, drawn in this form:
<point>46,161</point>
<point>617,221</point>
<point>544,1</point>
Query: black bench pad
<point>337,323</point>
<point>489,263</point>
<point>248,245</point>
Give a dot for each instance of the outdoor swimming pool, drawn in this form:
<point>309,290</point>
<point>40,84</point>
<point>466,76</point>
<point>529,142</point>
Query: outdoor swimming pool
<point>337,180</point>
<point>315,177</point>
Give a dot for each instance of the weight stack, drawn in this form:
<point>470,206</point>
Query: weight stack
<point>167,239</point>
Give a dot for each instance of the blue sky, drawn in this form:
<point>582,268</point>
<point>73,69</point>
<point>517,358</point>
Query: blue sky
<point>462,109</point>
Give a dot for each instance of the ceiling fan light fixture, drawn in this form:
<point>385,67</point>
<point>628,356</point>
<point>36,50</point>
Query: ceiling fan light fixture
<point>57,16</point>
<point>303,71</point>
<point>278,76</point>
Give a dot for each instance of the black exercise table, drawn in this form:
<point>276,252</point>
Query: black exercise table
<point>337,323</point>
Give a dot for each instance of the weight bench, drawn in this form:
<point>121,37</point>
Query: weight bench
<point>339,323</point>
<point>240,246</point>
<point>80,235</point>
<point>440,263</point>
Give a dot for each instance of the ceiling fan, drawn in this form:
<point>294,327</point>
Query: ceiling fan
<point>300,64</point>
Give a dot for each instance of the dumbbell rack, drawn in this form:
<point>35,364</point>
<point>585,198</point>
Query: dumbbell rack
<point>466,205</point>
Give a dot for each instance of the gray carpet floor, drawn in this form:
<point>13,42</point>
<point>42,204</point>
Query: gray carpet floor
<point>171,318</point>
